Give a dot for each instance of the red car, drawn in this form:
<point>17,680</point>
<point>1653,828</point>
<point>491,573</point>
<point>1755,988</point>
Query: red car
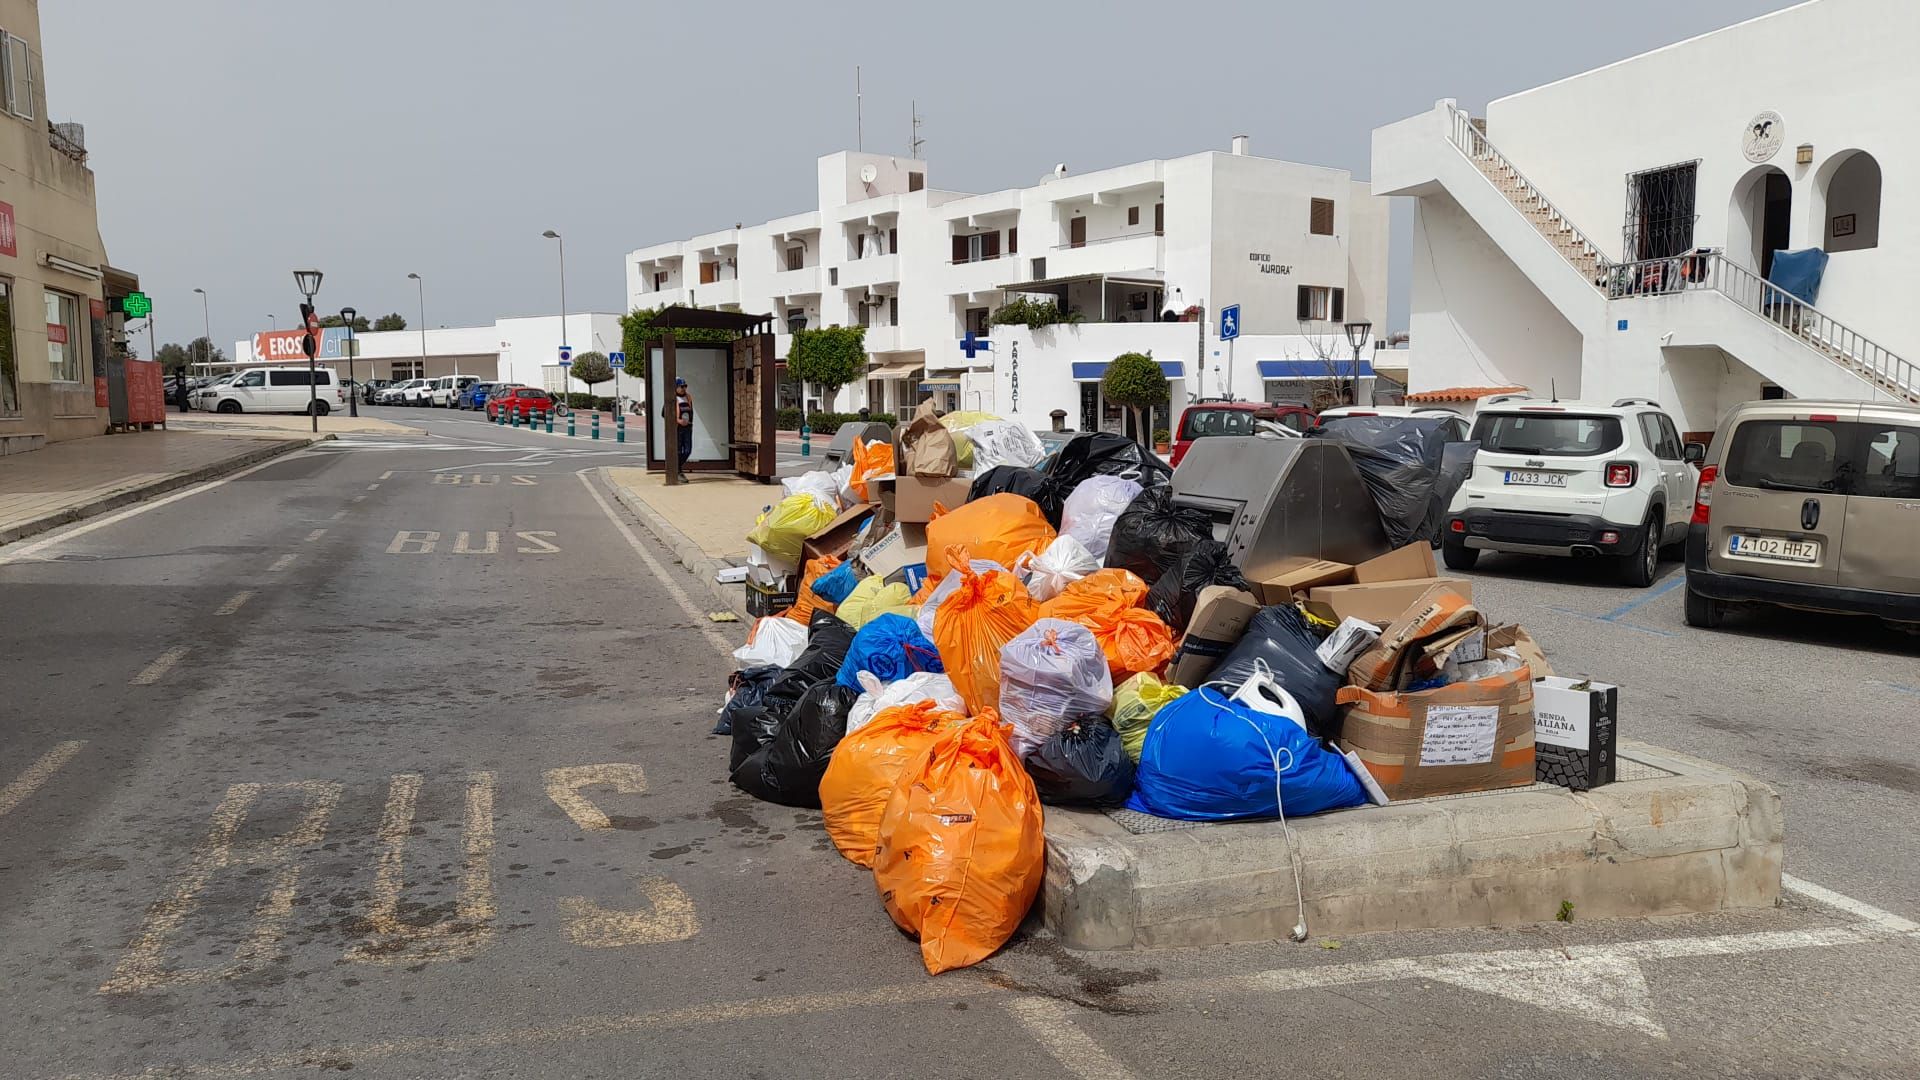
<point>524,400</point>
<point>1206,418</point>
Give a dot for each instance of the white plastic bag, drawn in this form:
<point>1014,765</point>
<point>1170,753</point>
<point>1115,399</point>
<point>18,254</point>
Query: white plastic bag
<point>777,640</point>
<point>945,589</point>
<point>843,481</point>
<point>1051,673</point>
<point>1092,508</point>
<point>919,686</point>
<point>1004,442</point>
<point>1065,561</point>
<point>819,483</point>
<point>1263,693</point>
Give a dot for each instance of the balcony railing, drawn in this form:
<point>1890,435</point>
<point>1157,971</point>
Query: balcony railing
<point>1107,240</point>
<point>1576,246</point>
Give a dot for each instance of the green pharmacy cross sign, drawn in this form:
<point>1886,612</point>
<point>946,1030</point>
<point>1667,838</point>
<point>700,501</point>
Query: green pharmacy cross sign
<point>137,305</point>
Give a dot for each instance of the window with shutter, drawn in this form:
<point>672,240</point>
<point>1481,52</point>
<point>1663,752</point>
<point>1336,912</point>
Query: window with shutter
<point>709,273</point>
<point>1303,303</point>
<point>893,241</point>
<point>916,181</point>
<point>893,311</point>
<point>1320,218</point>
<point>1077,232</point>
<point>1133,215</point>
<point>961,247</point>
<point>1013,240</point>
<point>1339,309</point>
<point>990,245</point>
<point>1159,219</point>
<point>796,258</point>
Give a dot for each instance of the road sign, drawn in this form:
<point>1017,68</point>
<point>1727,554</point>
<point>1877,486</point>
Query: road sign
<point>616,359</point>
<point>137,305</point>
<point>566,355</point>
<point>1229,322</point>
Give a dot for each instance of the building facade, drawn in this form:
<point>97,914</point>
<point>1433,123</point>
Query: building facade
<point>56,331</point>
<point>1615,233</point>
<point>1122,254</point>
<point>524,350</point>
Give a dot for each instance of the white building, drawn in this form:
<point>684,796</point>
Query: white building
<point>520,350</point>
<point>1300,248</point>
<point>1610,234</point>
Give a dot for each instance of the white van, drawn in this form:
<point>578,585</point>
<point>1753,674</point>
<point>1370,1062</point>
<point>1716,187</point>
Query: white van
<point>278,389</point>
<point>446,390</point>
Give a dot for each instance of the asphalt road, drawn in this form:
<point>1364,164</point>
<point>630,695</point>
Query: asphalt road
<point>390,757</point>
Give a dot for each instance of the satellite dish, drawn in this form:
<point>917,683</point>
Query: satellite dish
<point>868,173</point>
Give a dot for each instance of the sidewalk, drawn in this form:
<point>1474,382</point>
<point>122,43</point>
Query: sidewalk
<point>284,423</point>
<point>703,522</point>
<point>68,481</point>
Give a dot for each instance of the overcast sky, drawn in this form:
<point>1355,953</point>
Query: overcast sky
<point>236,140</point>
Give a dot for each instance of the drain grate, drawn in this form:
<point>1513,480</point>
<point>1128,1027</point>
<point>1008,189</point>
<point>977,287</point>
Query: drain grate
<point>1140,824</point>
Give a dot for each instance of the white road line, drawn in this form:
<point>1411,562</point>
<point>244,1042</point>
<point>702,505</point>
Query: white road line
<point>37,774</point>
<point>388,475</point>
<point>1819,894</point>
<point>359,498</point>
<point>235,602</point>
<point>717,639</point>
<point>371,487</point>
<point>315,535</point>
<point>21,554</point>
<point>282,563</point>
<point>337,515</point>
<point>1049,1022</point>
<point>157,670</point>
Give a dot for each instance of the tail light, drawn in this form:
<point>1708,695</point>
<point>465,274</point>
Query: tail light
<point>1622,473</point>
<point>1458,525</point>
<point>1703,495</point>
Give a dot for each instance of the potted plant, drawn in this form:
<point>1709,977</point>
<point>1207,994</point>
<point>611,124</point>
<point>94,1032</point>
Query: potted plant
<point>1162,441</point>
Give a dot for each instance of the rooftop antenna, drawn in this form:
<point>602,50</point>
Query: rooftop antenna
<point>914,141</point>
<point>859,122</point>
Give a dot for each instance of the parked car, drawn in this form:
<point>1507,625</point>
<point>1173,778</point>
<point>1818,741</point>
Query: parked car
<point>277,389</point>
<point>202,395</point>
<point>474,396</point>
<point>417,392</point>
<point>395,393</point>
<point>523,400</point>
<point>1574,478</point>
<point>370,390</point>
<point>1808,504</point>
<point>1204,419</point>
<point>1458,430</point>
<point>445,392</point>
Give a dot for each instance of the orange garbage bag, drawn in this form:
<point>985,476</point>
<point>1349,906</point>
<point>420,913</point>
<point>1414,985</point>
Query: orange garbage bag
<point>1134,639</point>
<point>984,612</point>
<point>962,853</point>
<point>806,603</point>
<point>1102,588</point>
<point>865,768</point>
<point>870,460</point>
<point>999,528</point>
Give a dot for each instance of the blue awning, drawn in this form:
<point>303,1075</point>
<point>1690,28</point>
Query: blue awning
<point>1313,369</point>
<point>1094,370</point>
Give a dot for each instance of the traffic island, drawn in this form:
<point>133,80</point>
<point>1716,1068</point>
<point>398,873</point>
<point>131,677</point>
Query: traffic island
<point>1674,835</point>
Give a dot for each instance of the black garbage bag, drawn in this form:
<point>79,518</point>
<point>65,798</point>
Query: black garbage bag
<point>1152,534</point>
<point>753,728</point>
<point>1456,465</point>
<point>828,639</point>
<point>1031,483</point>
<point>749,688</point>
<point>1280,637</point>
<point>1399,457</point>
<point>1082,764</point>
<point>788,769</point>
<point>1207,563</point>
<point>1104,453</point>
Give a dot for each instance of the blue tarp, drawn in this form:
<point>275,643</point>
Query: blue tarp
<point>1799,272</point>
<point>1313,369</point>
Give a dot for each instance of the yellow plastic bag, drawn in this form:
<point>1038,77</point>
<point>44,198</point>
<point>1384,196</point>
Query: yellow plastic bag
<point>984,613</point>
<point>872,598</point>
<point>1134,703</point>
<point>958,423</point>
<point>782,529</point>
<point>871,460</point>
<point>866,766</point>
<point>961,853</point>
<point>999,528</point>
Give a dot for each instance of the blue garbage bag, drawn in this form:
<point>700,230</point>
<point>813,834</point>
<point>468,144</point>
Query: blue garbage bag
<point>1207,758</point>
<point>890,646</point>
<point>836,584</point>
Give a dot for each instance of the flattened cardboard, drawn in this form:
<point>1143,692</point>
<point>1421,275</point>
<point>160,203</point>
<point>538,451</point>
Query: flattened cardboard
<point>1299,576</point>
<point>1387,731</point>
<point>1382,602</point>
<point>1220,617</point>
<point>1439,614</point>
<point>1577,731</point>
<point>1410,563</point>
<point>914,496</point>
<point>1516,638</point>
<point>836,537</point>
<point>904,546</point>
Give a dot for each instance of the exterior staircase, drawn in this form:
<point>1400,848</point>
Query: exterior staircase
<point>1470,135</point>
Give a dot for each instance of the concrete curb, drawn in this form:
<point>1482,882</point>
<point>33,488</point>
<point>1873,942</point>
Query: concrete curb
<point>685,552</point>
<point>118,499</point>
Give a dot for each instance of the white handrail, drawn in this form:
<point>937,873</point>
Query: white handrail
<point>1471,141</point>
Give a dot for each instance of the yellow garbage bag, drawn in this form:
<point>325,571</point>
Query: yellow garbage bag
<point>783,528</point>
<point>958,422</point>
<point>872,598</point>
<point>1134,703</point>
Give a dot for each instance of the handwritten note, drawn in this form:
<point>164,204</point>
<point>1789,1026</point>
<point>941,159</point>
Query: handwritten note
<point>1459,735</point>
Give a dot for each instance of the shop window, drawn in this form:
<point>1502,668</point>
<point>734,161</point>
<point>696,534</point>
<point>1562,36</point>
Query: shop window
<point>63,336</point>
<point>1320,217</point>
<point>1853,204</point>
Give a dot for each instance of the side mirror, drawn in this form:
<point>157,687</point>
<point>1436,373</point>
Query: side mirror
<point>1694,453</point>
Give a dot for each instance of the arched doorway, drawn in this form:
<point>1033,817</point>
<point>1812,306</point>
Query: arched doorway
<point>1760,218</point>
<point>1848,202</point>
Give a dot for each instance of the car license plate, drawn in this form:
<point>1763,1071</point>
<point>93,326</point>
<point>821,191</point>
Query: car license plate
<point>1773,549</point>
<point>1530,478</point>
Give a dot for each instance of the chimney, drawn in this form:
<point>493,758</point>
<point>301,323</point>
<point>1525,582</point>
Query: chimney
<point>1239,146</point>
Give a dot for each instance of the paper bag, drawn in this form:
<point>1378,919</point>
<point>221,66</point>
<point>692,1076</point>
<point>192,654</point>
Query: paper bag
<point>927,447</point>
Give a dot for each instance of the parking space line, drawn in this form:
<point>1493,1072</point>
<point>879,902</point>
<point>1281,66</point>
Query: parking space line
<point>315,535</point>
<point>282,563</point>
<point>388,475</point>
<point>1647,597</point>
<point>337,515</point>
<point>37,774</point>
<point>371,487</point>
<point>1049,1022</point>
<point>235,602</point>
<point>157,670</point>
<point>359,498</point>
<point>1860,908</point>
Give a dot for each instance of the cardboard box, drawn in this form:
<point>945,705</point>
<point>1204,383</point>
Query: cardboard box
<point>903,546</point>
<point>914,496</point>
<point>1299,576</point>
<point>1471,736</point>
<point>1382,602</point>
<point>764,600</point>
<point>1409,563</point>
<point>1575,724</point>
<point>1438,615</point>
<point>1347,643</point>
<point>1220,617</point>
<point>837,537</point>
<point>1516,638</point>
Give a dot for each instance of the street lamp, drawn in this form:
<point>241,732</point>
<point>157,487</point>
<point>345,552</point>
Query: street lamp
<point>420,287</point>
<point>206,322</point>
<point>347,315</point>
<point>308,282</point>
<point>1357,333</point>
<point>566,378</point>
<point>273,322</point>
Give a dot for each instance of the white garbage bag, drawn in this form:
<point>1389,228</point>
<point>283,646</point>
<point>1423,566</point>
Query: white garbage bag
<point>1004,442</point>
<point>843,481</point>
<point>945,589</point>
<point>819,483</point>
<point>1065,561</point>
<point>1092,508</point>
<point>919,686</point>
<point>1052,673</point>
<point>777,640</point>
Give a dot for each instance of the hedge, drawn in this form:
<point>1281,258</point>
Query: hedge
<point>825,423</point>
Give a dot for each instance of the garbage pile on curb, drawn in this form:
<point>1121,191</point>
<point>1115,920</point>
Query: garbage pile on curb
<point>954,629</point>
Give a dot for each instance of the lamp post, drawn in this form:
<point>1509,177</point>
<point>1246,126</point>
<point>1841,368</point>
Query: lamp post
<point>1357,337</point>
<point>420,287</point>
<point>347,315</point>
<point>308,282</point>
<point>566,378</point>
<point>206,323</point>
<point>273,321</point>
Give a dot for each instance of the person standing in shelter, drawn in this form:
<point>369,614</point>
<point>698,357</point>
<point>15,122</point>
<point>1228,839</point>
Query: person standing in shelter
<point>680,411</point>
